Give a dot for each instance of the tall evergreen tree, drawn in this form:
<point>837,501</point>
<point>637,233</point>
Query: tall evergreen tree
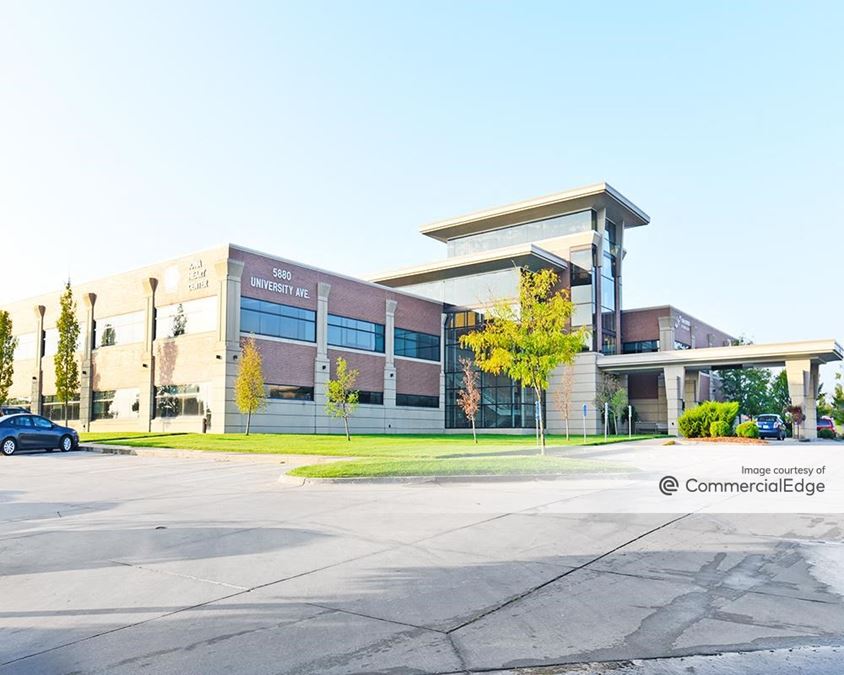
<point>8,344</point>
<point>66,360</point>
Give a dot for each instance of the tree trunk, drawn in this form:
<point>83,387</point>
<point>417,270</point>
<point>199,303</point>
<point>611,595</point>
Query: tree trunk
<point>567,427</point>
<point>248,421</point>
<point>474,433</point>
<point>540,421</point>
<point>346,424</point>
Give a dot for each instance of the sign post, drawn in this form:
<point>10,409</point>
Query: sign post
<point>630,421</point>
<point>606,419</point>
<point>585,410</point>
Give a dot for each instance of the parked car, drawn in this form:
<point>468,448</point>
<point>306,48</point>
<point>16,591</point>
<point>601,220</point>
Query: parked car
<point>771,426</point>
<point>32,432</point>
<point>826,423</point>
<point>11,410</point>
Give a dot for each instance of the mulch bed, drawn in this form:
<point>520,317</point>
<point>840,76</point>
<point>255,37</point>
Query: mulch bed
<point>727,439</point>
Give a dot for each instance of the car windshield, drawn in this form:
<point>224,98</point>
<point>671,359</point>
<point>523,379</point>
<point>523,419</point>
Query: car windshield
<point>767,418</point>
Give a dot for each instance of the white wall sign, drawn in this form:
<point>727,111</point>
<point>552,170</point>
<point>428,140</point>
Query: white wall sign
<point>197,275</point>
<point>278,284</point>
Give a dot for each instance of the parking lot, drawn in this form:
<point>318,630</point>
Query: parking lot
<point>210,564</point>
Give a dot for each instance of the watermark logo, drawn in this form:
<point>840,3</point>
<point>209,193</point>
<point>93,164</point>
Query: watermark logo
<point>668,485</point>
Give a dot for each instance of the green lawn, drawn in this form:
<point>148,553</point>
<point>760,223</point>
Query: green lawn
<point>381,445</point>
<point>466,466</point>
<point>388,455</point>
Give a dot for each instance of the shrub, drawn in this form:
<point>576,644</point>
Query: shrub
<point>747,430</point>
<point>697,422</point>
<point>826,433</point>
<point>719,429</point>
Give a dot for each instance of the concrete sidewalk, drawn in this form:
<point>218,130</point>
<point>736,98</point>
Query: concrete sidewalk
<point>118,564</point>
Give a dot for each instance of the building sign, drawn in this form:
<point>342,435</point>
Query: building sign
<point>197,275</point>
<point>278,284</point>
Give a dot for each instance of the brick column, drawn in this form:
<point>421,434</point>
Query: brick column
<point>322,366</point>
<point>146,396</point>
<point>389,357</point>
<point>224,367</point>
<point>675,382</point>
<point>37,373</point>
<point>86,375</point>
<point>802,377</point>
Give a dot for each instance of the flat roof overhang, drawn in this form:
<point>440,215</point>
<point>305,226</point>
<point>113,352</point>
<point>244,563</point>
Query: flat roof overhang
<point>772,355</point>
<point>600,195</point>
<point>524,255</point>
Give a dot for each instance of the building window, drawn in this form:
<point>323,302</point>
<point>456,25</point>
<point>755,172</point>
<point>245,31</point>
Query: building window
<point>417,345</point>
<point>275,320</point>
<point>505,404</point>
<point>640,347</point>
<point>355,334</point>
<point>371,397</point>
<point>186,318</point>
<point>557,226</point>
<point>52,408</point>
<point>51,342</point>
<point>176,400</point>
<point>119,330</point>
<point>115,404</point>
<point>27,347</point>
<point>289,392</point>
<point>417,401</point>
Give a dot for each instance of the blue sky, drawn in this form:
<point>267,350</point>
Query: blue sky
<point>329,132</point>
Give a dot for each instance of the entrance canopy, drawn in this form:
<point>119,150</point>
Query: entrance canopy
<point>801,361</point>
<point>773,355</point>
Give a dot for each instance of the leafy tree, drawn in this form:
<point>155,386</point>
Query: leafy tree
<point>249,392</point>
<point>469,398</point>
<point>607,391</point>
<point>749,387</point>
<point>528,341</point>
<point>8,344</point>
<point>618,406</point>
<point>562,396</point>
<point>824,407</point>
<point>66,361</point>
<point>778,395</point>
<point>837,413</point>
<point>342,399</point>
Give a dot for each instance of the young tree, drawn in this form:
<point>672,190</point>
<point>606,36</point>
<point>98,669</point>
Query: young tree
<point>469,398</point>
<point>8,344</point>
<point>249,392</point>
<point>66,360</point>
<point>608,395</point>
<point>838,401</point>
<point>562,396</point>
<point>342,400</point>
<point>618,406</point>
<point>528,341</point>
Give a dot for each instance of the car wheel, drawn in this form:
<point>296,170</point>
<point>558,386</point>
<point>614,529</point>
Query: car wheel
<point>66,443</point>
<point>9,446</point>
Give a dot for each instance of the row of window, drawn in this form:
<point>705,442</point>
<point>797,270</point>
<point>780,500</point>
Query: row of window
<point>272,319</point>
<point>257,317</point>
<point>192,399</point>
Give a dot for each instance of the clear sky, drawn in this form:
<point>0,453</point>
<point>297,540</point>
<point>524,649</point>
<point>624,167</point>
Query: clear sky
<point>329,132</point>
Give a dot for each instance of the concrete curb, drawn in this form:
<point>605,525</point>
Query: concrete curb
<point>173,452</point>
<point>416,480</point>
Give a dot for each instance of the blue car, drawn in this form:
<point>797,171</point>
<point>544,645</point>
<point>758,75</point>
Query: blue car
<point>771,426</point>
<point>33,432</point>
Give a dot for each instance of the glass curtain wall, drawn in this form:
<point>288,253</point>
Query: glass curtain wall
<point>504,403</point>
<point>583,290</point>
<point>609,274</point>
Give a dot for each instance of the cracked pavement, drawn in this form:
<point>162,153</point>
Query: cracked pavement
<point>118,564</point>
